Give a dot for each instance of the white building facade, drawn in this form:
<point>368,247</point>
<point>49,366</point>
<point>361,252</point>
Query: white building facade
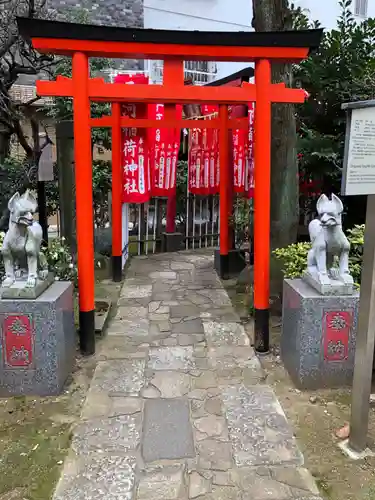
<point>236,15</point>
<point>201,15</point>
<point>328,11</point>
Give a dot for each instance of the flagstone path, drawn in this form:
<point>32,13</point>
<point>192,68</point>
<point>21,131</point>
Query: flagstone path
<point>178,408</point>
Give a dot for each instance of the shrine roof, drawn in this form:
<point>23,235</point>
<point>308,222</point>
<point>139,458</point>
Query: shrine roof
<point>242,75</point>
<point>56,30</point>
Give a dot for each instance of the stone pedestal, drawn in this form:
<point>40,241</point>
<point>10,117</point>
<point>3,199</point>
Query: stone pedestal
<point>172,242</point>
<point>318,336</point>
<point>37,342</point>
<point>19,291</point>
<point>229,265</point>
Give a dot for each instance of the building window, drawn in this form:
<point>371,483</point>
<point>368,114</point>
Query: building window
<point>200,72</point>
<point>360,8</point>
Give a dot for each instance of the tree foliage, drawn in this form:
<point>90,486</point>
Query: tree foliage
<point>276,15</point>
<point>63,106</point>
<point>293,258</point>
<point>342,70</point>
<point>18,58</point>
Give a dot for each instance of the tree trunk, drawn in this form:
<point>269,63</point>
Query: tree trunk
<point>274,15</point>
<point>4,143</point>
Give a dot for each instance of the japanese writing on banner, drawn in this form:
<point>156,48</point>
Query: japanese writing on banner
<point>240,144</point>
<point>164,147</point>
<point>243,156</point>
<point>204,164</point>
<point>135,157</point>
<point>203,161</point>
<point>249,169</point>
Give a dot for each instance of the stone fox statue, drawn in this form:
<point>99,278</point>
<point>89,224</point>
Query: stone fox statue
<point>21,246</point>
<point>328,240</point>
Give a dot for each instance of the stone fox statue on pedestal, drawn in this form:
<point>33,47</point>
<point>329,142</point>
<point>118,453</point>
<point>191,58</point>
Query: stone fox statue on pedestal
<point>328,240</point>
<point>21,246</point>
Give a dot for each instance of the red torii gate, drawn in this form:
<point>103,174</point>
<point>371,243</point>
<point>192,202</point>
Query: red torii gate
<point>174,47</point>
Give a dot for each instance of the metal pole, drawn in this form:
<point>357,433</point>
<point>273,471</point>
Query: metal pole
<point>207,219</point>
<point>194,200</point>
<point>154,225</point>
<point>42,208</point>
<point>364,352</point>
<point>139,228</point>
<point>213,221</point>
<point>201,220</point>
<point>187,218</point>
<point>147,218</point>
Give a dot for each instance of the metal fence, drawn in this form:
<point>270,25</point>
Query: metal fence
<point>144,224</point>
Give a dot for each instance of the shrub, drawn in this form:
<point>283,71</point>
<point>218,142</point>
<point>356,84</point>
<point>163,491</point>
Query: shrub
<point>294,257</point>
<point>59,260</point>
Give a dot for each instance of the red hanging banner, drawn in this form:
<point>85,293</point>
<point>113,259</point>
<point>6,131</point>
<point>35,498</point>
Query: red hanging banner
<point>203,164</point>
<point>211,151</point>
<point>249,169</point>
<point>135,157</point>
<point>240,146</point>
<point>203,161</point>
<point>164,145</point>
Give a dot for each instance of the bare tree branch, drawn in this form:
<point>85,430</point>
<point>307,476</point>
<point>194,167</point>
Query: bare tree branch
<point>22,138</point>
<point>17,58</point>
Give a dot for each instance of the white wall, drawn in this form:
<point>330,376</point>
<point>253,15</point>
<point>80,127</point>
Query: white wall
<point>229,15</point>
<point>328,11</point>
<point>202,15</point>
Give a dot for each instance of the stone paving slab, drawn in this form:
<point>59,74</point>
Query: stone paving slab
<point>167,432</point>
<point>177,408</point>
<point>184,311</point>
<point>119,377</point>
<point>119,347</point>
<point>172,358</point>
<point>218,298</point>
<point>284,483</point>
<point>98,478</point>
<point>115,435</point>
<point>225,334</point>
<point>190,326</point>
<point>128,312</point>
<point>171,384</point>
<point>136,292</point>
<point>258,427</point>
<point>162,483</point>
<point>100,405</point>
<point>131,327</point>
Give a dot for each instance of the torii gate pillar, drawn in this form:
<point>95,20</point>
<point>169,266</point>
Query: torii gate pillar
<point>262,205</point>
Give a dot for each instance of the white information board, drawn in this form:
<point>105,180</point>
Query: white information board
<point>359,161</point>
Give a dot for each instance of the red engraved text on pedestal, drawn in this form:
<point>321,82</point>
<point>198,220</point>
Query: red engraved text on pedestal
<point>17,337</point>
<point>336,329</point>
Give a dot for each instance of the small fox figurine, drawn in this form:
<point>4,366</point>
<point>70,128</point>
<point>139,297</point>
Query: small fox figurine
<point>328,241</point>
